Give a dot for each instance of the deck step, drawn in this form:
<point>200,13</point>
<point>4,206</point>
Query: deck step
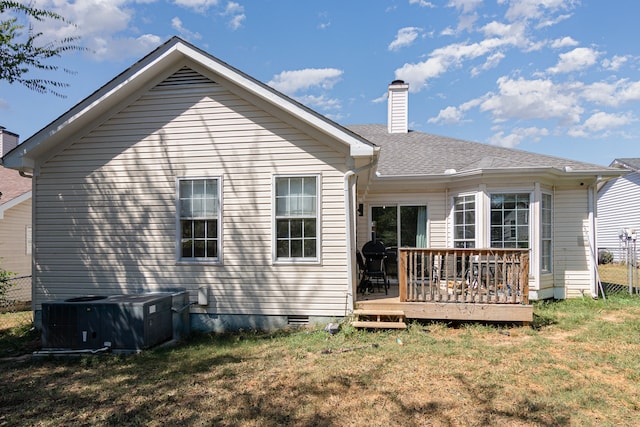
<point>378,325</point>
<point>381,319</point>
<point>375,312</point>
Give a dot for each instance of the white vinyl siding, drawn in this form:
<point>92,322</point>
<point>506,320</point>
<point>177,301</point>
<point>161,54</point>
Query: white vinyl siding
<point>618,208</point>
<point>15,256</point>
<point>572,266</point>
<point>107,208</point>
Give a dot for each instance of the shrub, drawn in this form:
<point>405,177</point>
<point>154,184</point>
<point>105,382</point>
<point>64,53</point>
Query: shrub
<point>5,276</point>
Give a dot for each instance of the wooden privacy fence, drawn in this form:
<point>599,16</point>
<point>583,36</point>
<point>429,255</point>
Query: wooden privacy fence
<point>499,276</point>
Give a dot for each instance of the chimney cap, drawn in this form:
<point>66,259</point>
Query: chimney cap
<point>397,82</point>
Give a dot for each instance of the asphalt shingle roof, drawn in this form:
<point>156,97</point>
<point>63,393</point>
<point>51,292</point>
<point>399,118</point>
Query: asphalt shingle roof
<point>628,163</point>
<point>12,185</point>
<point>418,153</point>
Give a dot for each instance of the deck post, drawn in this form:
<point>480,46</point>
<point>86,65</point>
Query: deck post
<point>402,275</point>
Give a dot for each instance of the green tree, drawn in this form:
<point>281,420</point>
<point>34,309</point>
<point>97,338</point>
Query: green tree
<point>21,53</point>
<point>5,277</point>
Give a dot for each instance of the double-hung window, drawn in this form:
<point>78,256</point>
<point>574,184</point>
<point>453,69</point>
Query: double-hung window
<point>546,227</point>
<point>464,221</point>
<point>296,218</point>
<point>510,220</point>
<point>199,219</point>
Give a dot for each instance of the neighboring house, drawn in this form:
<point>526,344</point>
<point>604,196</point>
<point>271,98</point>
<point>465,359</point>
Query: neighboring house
<point>619,209</point>
<point>185,172</point>
<point>15,220</point>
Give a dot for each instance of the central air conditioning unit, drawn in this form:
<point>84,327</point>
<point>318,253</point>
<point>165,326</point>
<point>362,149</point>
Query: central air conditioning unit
<point>125,323</point>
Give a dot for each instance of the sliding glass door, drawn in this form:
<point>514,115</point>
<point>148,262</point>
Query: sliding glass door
<point>399,226</point>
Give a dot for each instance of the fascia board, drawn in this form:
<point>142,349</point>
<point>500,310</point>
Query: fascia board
<point>14,202</point>
<point>559,173</point>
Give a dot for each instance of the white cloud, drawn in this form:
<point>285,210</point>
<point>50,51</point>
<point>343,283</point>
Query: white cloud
<point>601,123</point>
<point>536,9</point>
<point>466,6</point>
<point>236,13</point>
<point>199,6</point>
<point>532,99</point>
<point>107,28</point>
<point>89,18</point>
<point>491,62</point>
<point>101,26</point>
<point>405,37</point>
<point>612,94</point>
<point>453,115</point>
<point>549,22</point>
<point>236,21</point>
<point>422,3</point>
<point>467,17</point>
<point>447,32</point>
<point>110,48</point>
<point>322,102</point>
<point>575,60</point>
<point>614,63</point>
<point>381,98</point>
<point>325,21</point>
<point>517,135</point>
<point>495,28</point>
<point>176,23</point>
<point>444,58</point>
<point>290,82</point>
<point>564,42</point>
<point>448,116</point>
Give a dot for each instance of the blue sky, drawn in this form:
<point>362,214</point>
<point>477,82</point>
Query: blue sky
<point>558,77</point>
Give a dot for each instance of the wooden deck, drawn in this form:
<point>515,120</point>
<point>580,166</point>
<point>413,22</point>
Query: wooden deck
<point>480,312</point>
<point>488,285</point>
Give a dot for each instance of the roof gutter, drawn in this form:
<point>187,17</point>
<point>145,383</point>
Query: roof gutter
<point>604,173</point>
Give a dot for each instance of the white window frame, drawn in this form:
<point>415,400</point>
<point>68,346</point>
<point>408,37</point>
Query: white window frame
<point>476,218</point>
<point>28,240</point>
<point>530,225</point>
<point>275,217</point>
<point>549,237</point>
<point>199,260</point>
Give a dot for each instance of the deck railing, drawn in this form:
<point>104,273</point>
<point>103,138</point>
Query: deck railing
<point>499,276</point>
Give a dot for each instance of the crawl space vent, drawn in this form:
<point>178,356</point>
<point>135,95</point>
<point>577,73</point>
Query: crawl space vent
<point>298,321</point>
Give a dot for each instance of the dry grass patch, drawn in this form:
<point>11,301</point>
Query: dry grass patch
<point>578,365</point>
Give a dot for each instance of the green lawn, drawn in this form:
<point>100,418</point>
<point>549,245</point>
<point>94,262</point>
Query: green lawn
<point>576,365</point>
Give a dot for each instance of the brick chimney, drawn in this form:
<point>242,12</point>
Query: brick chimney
<point>398,116</point>
<point>8,141</point>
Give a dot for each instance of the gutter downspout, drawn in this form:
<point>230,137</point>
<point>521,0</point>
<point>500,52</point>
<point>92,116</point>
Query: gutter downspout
<point>350,221</point>
<point>595,279</point>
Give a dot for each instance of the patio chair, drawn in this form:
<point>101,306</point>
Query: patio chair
<point>374,266</point>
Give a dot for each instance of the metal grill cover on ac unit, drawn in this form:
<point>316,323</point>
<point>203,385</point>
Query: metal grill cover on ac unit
<point>119,322</point>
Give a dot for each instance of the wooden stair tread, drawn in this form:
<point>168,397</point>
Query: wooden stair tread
<point>374,312</point>
<point>382,325</point>
<point>377,318</point>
